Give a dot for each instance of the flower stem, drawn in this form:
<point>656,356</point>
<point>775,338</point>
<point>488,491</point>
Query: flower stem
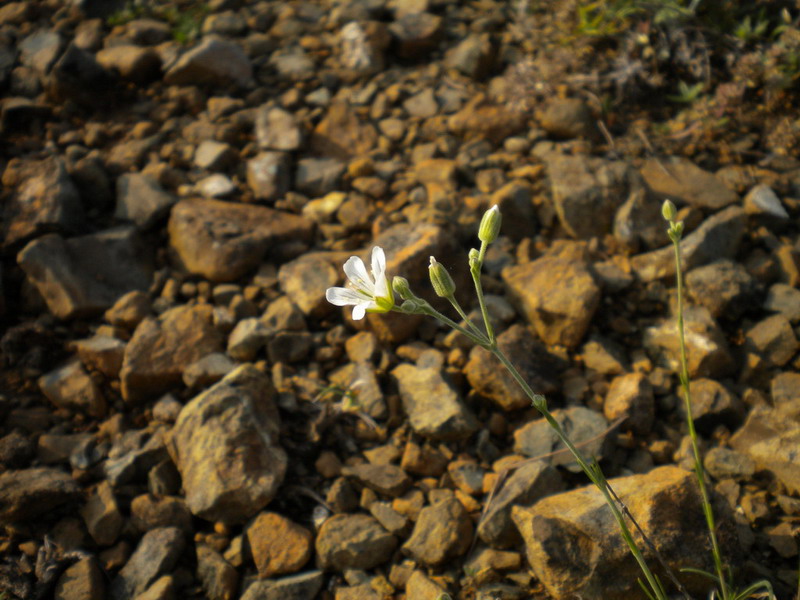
<point>475,271</point>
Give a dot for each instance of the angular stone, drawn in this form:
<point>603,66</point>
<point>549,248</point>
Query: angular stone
<point>586,428</point>
<point>487,121</point>
<point>527,483</point>
<point>219,579</point>
<point>278,545</point>
<point>134,453</point>
<point>277,129</point>
<point>101,353</point>
<point>568,118</point>
<point>129,310</point>
<point>473,56</point>
<point>557,295</point>
<point>268,175</point>
<point>363,46</point>
<point>773,338</point>
<point>40,50</point>
<point>361,379</point>
<point>305,280</point>
<point>316,177</point>
<point>208,370</point>
<point>70,386</point>
<point>489,378</point>
<point>724,463</point>
<point>214,156</point>
<point>630,397</point>
<point>357,541</point>
<point>717,237</point>
<point>134,63</point>
<point>707,349</point>
<point>79,78</point>
<point>44,199</point>
<point>574,546</point>
<point>30,493</point>
<point>247,338</point>
<point>762,200</point>
<point>712,405</point>
<point>433,406</point>
<point>680,180</point>
<point>225,445</point>
<point>141,199</point>
<point>416,34</point>
<point>149,512</point>
<point>162,348</point>
<point>724,287</point>
<point>296,587</point>
<point>102,516</point>
<point>784,299</point>
<point>638,221</point>
<point>342,134</point>
<point>83,276</point>
<point>214,62</point>
<point>388,480</point>
<point>421,587</point>
<point>156,555</point>
<point>442,531</point>
<point>222,241</point>
<point>83,580</point>
<point>771,437</point>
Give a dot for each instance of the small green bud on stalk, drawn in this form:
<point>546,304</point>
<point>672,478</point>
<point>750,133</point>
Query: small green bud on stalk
<point>668,211</point>
<point>442,283</point>
<point>474,256</point>
<point>490,225</point>
<point>401,288</point>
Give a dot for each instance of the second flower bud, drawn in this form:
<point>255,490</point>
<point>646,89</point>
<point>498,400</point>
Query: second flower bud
<point>442,283</point>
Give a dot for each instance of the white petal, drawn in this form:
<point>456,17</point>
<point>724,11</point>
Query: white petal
<point>359,310</point>
<point>339,296</point>
<point>357,274</point>
<point>378,263</point>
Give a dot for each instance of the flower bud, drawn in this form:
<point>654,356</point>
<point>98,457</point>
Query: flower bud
<point>401,287</point>
<point>442,283</point>
<point>490,225</point>
<point>668,211</point>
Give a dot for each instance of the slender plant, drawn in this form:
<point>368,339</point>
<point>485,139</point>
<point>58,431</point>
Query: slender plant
<point>374,294</point>
<point>724,589</point>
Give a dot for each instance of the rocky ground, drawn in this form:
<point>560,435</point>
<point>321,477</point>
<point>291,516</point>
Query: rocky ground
<point>184,415</point>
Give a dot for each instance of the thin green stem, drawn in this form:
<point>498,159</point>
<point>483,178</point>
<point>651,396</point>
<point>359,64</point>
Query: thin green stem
<point>478,338</point>
<point>698,464</point>
<point>464,316</point>
<point>475,270</point>
<point>599,481</point>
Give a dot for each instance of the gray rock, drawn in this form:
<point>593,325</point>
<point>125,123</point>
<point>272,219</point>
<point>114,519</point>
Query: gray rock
<point>129,310</point>
<point>707,349</point>
<point>724,463</point>
<point>416,34</point>
<point>141,199</point>
<point>162,348</point>
<point>785,387</point>
<point>568,118</point>
<point>30,493</point>
<point>134,453</point>
<point>587,192</point>
<point>421,105</point>
<point>433,406</point>
<point>214,62</point>
<point>156,555</point>
<point>293,64</point>
<point>712,404</point>
<point>388,480</point>
<point>283,315</point>
<point>357,541</point>
<point>489,378</point>
<point>213,155</point>
<point>70,386</point>
<point>574,547</point>
<point>44,199</point>
<point>101,353</point>
<point>102,515</point>
<point>784,299</point>
<point>724,287</point>
<point>225,445</point>
<point>208,370</point>
<point>557,295</point>
<point>586,428</point>
<point>78,77</point>
<point>680,180</point>
<point>361,379</point>
<point>83,276</point>
<point>773,339</point>
<point>134,63</point>
<point>247,338</point>
<point>771,436</point>
<point>149,512</point>
<point>473,56</point>
<point>146,32</point>
<point>528,482</point>
<point>442,531</point>
<point>630,397</point>
<point>515,201</point>
<point>223,240</point>
<point>226,23</point>
<point>216,186</point>
<point>40,50</point>
<point>638,220</point>
<point>316,177</point>
<point>762,200</point>
<point>268,175</point>
<point>305,280</point>
<point>717,237</point>
<point>295,587</point>
<point>219,579</point>
<point>277,129</point>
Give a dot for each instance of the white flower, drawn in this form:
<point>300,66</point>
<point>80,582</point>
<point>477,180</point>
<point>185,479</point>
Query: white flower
<point>365,293</point>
